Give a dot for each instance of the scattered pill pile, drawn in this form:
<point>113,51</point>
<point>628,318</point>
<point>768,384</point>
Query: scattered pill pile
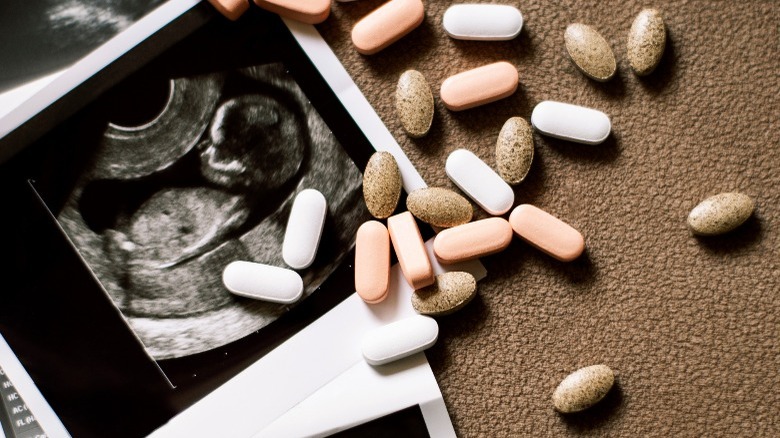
<point>462,239</point>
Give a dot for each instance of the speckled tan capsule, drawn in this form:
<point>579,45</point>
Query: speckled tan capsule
<point>583,388</point>
<point>514,150</point>
<point>720,213</point>
<point>590,52</point>
<point>381,184</point>
<point>414,103</point>
<point>439,207</point>
<point>450,292</point>
<point>646,42</point>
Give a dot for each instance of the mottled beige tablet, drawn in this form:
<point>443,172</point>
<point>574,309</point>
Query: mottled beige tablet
<point>409,249</point>
<point>547,233</point>
<point>306,11</point>
<point>372,262</point>
<point>232,9</point>
<point>472,240</point>
<point>479,86</point>
<point>386,25</point>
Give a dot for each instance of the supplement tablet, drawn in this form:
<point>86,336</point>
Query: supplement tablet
<point>410,250</point>
<point>479,182</point>
<point>263,282</point>
<point>547,233</point>
<point>305,11</point>
<point>386,25</point>
<point>304,229</point>
<point>372,262</point>
<point>583,388</point>
<point>399,339</point>
<point>479,86</point>
<point>232,9</point>
<point>479,22</point>
<point>472,240</point>
<point>571,122</point>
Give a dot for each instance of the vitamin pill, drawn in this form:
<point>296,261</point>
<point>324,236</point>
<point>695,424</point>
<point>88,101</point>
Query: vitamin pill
<point>472,240</point>
<point>414,103</point>
<point>482,22</point>
<point>479,86</point>
<point>263,282</point>
<point>514,150</point>
<point>583,388</point>
<point>479,182</point>
<point>590,52</point>
<point>232,9</point>
<point>450,293</point>
<point>306,11</point>
<point>439,207</point>
<point>410,250</point>
<point>304,229</point>
<point>372,262</point>
<point>547,233</point>
<point>646,42</point>
<point>386,25</point>
<point>381,184</point>
<point>720,213</point>
<point>571,122</point>
<point>399,339</point>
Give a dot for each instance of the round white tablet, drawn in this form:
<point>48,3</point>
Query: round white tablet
<point>399,339</point>
<point>571,122</point>
<point>263,282</point>
<point>483,22</point>
<point>304,229</point>
<point>479,182</point>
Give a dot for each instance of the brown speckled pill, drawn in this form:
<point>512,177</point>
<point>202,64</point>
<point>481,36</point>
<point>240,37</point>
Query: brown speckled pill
<point>720,213</point>
<point>583,388</point>
<point>590,52</point>
<point>414,103</point>
<point>514,150</point>
<point>646,42</point>
<point>439,207</point>
<point>381,184</point>
<point>450,292</point>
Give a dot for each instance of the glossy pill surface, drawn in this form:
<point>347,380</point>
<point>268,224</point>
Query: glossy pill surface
<point>263,282</point>
<point>410,250</point>
<point>399,339</point>
<point>472,240</point>
<point>571,122</point>
<point>479,182</point>
<point>306,11</point>
<point>479,86</point>
<point>386,25</point>
<point>547,233</point>
<point>372,262</point>
<point>480,22</point>
<point>304,229</point>
<point>583,388</point>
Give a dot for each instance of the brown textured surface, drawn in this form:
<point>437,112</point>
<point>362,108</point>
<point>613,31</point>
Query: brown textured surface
<point>690,325</point>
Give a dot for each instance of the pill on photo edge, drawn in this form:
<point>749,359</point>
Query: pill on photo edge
<point>232,9</point>
<point>479,182</point>
<point>410,250</point>
<point>304,229</point>
<point>382,184</point>
<point>309,11</point>
<point>399,339</point>
<point>372,262</point>
<point>263,282</point>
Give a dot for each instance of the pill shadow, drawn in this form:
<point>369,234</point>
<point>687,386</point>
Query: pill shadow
<point>517,49</point>
<point>491,117</point>
<point>604,412</point>
<point>743,238</point>
<point>433,142</point>
<point>580,271</point>
<point>614,88</point>
<point>606,152</point>
<point>532,186</point>
<point>666,71</point>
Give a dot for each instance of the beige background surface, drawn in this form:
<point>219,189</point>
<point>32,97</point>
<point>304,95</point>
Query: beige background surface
<point>689,325</point>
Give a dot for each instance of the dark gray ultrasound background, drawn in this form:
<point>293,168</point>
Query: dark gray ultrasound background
<point>163,207</point>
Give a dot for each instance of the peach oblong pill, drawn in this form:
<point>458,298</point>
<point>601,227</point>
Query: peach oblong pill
<point>305,11</point>
<point>372,262</point>
<point>472,240</point>
<point>410,250</point>
<point>479,86</point>
<point>232,9</point>
<point>386,25</point>
<point>547,233</point>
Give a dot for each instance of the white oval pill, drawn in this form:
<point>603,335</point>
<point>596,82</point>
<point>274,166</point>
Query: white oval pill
<point>304,228</point>
<point>399,339</point>
<point>479,182</point>
<point>483,22</point>
<point>263,282</point>
<point>571,122</point>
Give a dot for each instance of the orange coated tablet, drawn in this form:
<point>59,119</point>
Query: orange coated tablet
<point>472,240</point>
<point>479,86</point>
<point>386,25</point>
<point>232,9</point>
<point>547,233</point>
<point>372,262</point>
<point>306,11</point>
<point>409,248</point>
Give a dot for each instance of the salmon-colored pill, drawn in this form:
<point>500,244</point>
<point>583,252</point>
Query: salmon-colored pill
<point>472,240</point>
<point>479,86</point>
<point>547,233</point>
<point>306,11</point>
<point>372,262</point>
<point>232,9</point>
<point>409,248</point>
<point>386,25</point>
